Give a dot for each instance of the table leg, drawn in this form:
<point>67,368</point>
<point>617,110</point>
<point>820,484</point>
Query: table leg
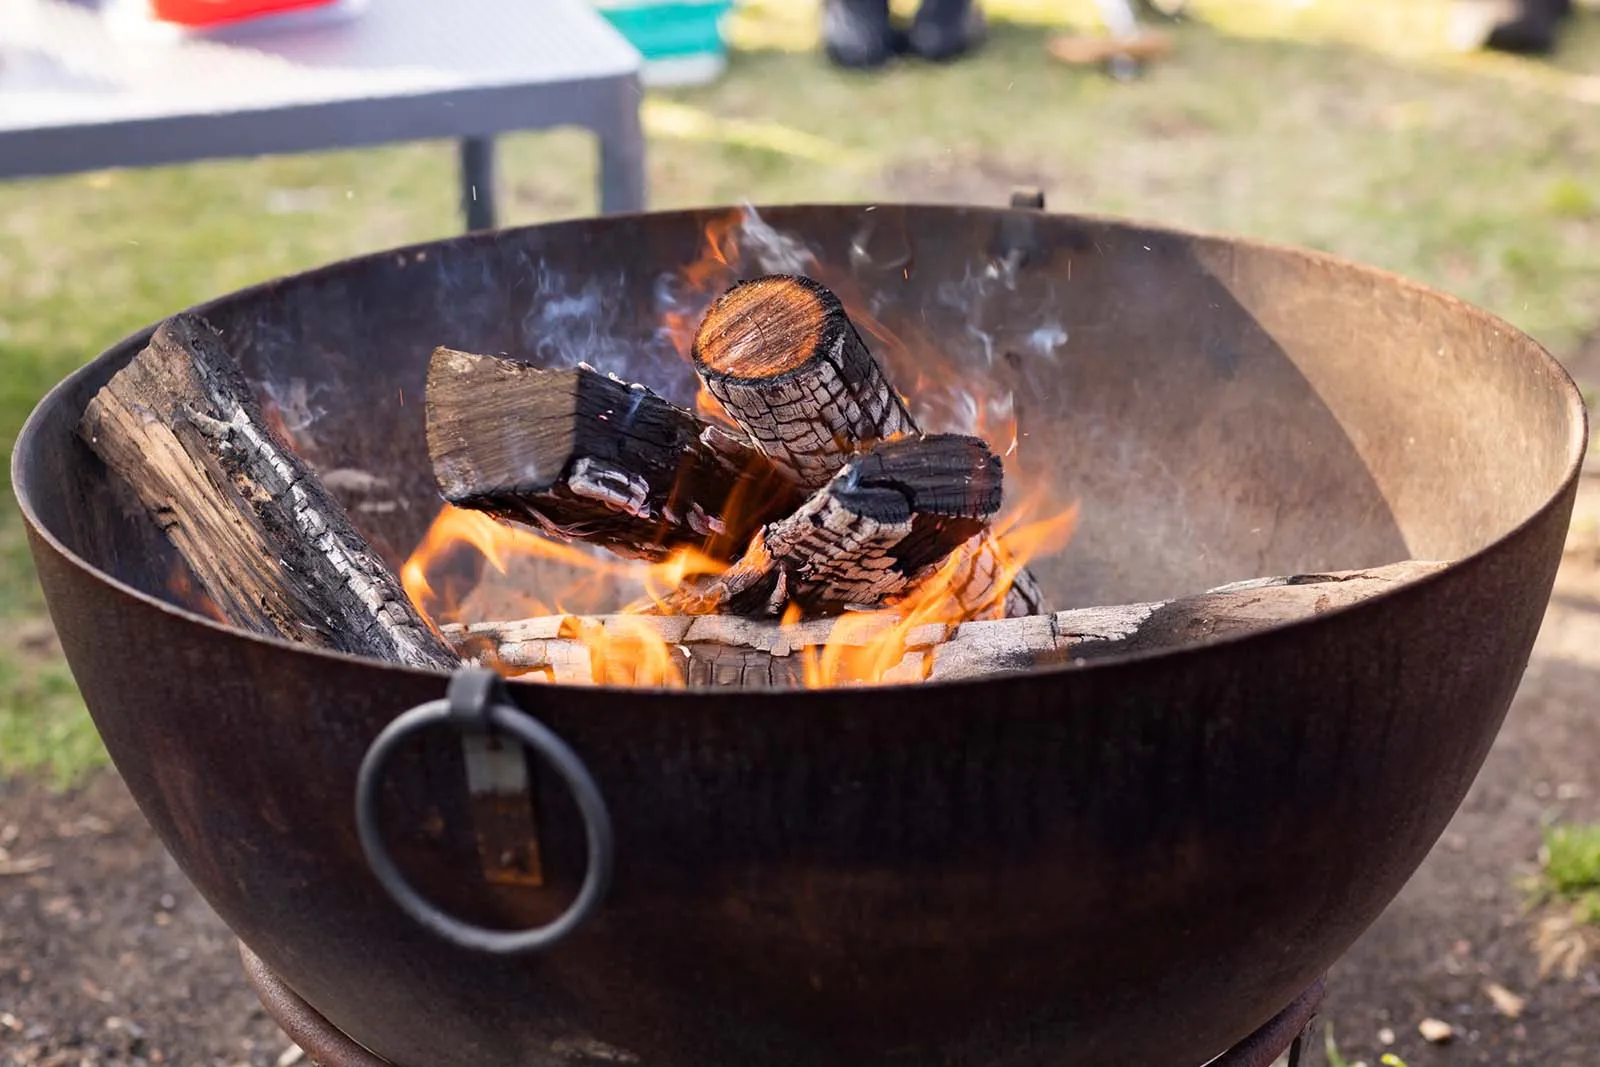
<point>622,160</point>
<point>477,182</point>
<point>1123,22</point>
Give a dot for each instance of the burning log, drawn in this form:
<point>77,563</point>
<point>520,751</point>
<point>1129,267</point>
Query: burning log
<point>783,358</point>
<point>787,364</point>
<point>266,541</point>
<point>979,584</point>
<point>583,456</point>
<point>720,650</point>
<point>876,529</point>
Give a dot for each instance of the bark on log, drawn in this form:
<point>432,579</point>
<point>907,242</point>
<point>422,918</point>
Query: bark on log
<point>582,456</point>
<point>783,358</point>
<point>271,547</point>
<point>787,364</point>
<point>883,523</point>
<point>721,650</point>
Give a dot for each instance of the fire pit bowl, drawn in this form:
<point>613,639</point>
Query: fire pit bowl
<point>1134,861</point>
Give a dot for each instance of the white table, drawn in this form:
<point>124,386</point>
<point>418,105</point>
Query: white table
<point>80,91</point>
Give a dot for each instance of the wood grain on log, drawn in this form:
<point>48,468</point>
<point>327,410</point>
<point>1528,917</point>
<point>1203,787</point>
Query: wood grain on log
<point>882,524</point>
<point>787,364</point>
<point>582,456</point>
<point>783,358</point>
<point>720,650</point>
<point>271,547</point>
<point>977,583</point>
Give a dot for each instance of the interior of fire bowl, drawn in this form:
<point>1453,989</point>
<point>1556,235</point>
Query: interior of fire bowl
<point>1215,410</point>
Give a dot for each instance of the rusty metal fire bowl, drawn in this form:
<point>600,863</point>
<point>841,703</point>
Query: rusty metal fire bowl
<point>1136,861</point>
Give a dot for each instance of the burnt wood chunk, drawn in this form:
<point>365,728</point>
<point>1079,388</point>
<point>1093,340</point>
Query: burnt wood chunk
<point>582,456</point>
<point>783,358</point>
<point>721,650</point>
<point>882,524</point>
<point>274,551</point>
<point>787,364</point>
<point>979,585</point>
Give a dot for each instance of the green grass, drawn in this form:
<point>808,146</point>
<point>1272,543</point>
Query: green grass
<point>1340,124</point>
<point>1571,869</point>
<point>43,724</point>
<point>1330,1048</point>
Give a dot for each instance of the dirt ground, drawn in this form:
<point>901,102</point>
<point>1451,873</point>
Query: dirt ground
<point>107,956</point>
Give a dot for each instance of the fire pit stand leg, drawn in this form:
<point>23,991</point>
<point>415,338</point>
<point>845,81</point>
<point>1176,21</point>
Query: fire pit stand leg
<point>1285,1031</point>
<point>323,1042</point>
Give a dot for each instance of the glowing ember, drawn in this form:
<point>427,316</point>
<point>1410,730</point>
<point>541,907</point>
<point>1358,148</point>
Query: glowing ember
<point>866,647</point>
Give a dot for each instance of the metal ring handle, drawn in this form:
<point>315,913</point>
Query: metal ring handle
<point>478,700</point>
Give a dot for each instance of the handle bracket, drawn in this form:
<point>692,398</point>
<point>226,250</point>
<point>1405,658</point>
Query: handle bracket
<point>477,701</point>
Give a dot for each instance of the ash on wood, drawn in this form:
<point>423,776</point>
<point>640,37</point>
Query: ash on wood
<point>720,650</point>
<point>881,525</point>
<point>267,542</point>
<point>783,358</point>
<point>787,364</point>
<point>583,456</point>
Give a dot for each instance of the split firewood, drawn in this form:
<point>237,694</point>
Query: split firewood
<point>784,360</point>
<point>274,551</point>
<point>877,528</point>
<point>583,456</point>
<point>722,650</point>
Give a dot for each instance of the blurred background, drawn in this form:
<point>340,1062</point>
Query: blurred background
<point>1366,128</point>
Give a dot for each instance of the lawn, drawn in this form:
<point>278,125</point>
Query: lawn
<point>1343,125</point>
<point>1571,857</point>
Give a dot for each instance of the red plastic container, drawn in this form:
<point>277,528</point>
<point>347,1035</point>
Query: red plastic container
<point>217,12</point>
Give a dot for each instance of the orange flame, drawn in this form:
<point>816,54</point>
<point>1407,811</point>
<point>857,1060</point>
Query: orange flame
<point>597,581</point>
<point>861,648</point>
<point>702,281</point>
<point>898,644</point>
<point>626,652</point>
<point>439,575</point>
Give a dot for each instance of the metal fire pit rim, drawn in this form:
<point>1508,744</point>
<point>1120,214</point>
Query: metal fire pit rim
<point>132,342</point>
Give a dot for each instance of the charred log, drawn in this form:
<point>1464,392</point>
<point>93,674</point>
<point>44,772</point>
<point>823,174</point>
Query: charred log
<point>269,545</point>
<point>787,364</point>
<point>582,456</point>
<point>984,585</point>
<point>881,525</point>
<point>783,358</point>
<point>720,650</point>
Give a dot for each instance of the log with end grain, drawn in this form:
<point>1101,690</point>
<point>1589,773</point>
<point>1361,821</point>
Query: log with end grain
<point>787,364</point>
<point>881,525</point>
<point>781,355</point>
<point>271,548</point>
<point>727,651</point>
<point>582,456</point>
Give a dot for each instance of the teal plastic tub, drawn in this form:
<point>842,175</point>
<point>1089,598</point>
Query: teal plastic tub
<point>681,42</point>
